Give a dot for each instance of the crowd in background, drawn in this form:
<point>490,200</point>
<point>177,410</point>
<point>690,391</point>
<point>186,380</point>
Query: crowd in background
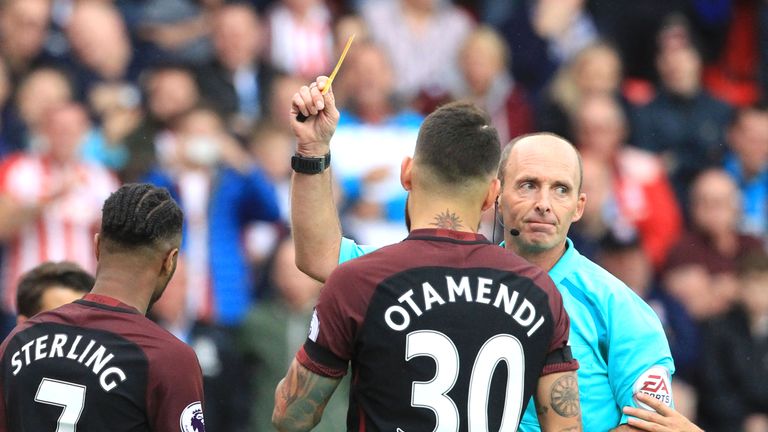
<point>662,98</point>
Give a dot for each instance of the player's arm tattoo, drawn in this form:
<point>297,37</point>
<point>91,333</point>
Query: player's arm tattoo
<point>300,399</point>
<point>448,220</point>
<point>564,395</point>
<point>557,403</point>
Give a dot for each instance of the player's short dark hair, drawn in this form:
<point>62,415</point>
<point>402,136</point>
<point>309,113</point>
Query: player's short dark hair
<point>140,214</point>
<point>457,142</point>
<point>755,261</point>
<point>36,282</point>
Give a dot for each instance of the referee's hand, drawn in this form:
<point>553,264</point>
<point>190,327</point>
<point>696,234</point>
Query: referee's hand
<point>314,134</point>
<point>665,419</point>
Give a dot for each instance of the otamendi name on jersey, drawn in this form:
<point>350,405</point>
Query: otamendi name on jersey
<point>398,317</point>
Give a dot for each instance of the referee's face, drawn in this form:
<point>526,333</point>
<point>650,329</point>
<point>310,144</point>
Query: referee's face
<point>540,196</point>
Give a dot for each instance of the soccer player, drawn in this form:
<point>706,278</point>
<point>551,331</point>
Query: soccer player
<point>445,331</point>
<point>50,285</point>
<point>616,337</point>
<point>99,364</point>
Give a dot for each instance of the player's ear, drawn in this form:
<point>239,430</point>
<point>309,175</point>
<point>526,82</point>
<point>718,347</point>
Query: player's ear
<point>169,265</point>
<point>96,243</point>
<point>21,318</point>
<point>492,197</point>
<point>406,176</point>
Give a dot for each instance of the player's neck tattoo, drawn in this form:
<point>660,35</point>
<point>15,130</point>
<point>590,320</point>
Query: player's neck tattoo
<point>448,220</point>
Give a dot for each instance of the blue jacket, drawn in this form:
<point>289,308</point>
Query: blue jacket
<point>235,200</point>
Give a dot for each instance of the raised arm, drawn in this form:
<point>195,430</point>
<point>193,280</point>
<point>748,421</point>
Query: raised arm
<point>300,399</point>
<point>557,402</point>
<point>315,219</point>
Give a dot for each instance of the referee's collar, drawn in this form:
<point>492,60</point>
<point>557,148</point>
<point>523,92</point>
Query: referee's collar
<point>441,233</point>
<point>566,264</point>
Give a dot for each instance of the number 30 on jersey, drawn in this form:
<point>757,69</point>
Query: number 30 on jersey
<point>432,394</point>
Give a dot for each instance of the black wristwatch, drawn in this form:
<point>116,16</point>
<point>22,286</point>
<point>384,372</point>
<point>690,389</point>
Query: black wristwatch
<point>310,165</point>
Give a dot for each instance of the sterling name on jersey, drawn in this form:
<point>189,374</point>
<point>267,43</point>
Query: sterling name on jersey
<point>443,330</point>
<point>98,365</point>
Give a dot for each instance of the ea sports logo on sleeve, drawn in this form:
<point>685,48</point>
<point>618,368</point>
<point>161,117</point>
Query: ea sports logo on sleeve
<point>192,418</point>
<point>656,383</point>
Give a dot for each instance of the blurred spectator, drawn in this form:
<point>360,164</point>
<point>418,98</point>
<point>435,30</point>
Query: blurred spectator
<point>701,268</point>
<point>117,107</point>
<point>101,47</point>
<point>226,405</point>
<point>370,82</point>
<point>422,39</point>
<point>748,164</point>
<point>275,329</point>
<point>495,13</point>
<point>733,75</point>
<point>50,200</point>
<point>641,195</point>
<point>23,32</point>
<point>283,88</point>
<point>373,122</point>
<point>238,81</point>
<point>170,91</point>
<point>484,59</point>
<point>735,385</point>
<point>221,191</point>
<point>625,259</point>
<point>544,34</point>
<point>50,285</point>
<point>595,70</point>
<point>633,25</point>
<point>345,27</point>
<point>272,148</point>
<point>39,91</point>
<point>175,29</point>
<point>6,143</point>
<point>683,123</point>
<point>105,70</point>
<point>301,37</point>
<point>599,218</point>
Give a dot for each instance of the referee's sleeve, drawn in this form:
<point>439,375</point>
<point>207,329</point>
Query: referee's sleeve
<point>349,249</point>
<point>639,359</point>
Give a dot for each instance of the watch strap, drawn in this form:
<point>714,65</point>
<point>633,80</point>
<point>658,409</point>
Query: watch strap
<point>310,165</point>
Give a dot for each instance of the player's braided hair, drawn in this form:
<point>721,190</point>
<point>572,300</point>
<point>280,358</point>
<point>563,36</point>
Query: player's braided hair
<point>140,214</point>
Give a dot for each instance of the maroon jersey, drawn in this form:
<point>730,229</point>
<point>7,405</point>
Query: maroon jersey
<point>98,365</point>
<point>444,331</point>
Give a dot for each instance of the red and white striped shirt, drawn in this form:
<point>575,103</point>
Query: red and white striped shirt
<point>65,228</point>
<point>301,46</point>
